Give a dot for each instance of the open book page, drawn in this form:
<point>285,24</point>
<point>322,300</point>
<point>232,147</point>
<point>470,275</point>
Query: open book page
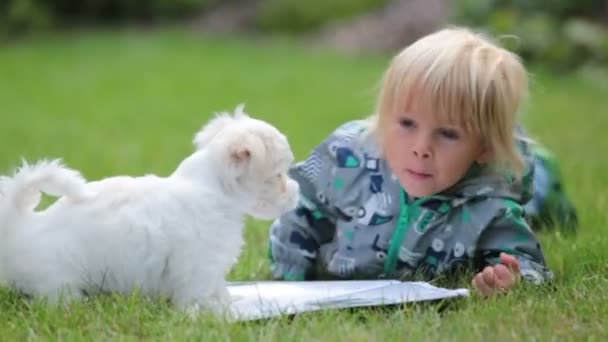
<point>266,299</point>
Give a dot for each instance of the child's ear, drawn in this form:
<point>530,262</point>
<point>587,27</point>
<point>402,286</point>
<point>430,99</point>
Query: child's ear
<point>486,155</point>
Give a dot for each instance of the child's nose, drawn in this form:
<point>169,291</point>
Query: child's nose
<point>422,148</point>
<point>422,154</point>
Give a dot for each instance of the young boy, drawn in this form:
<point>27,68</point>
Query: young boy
<point>433,183</point>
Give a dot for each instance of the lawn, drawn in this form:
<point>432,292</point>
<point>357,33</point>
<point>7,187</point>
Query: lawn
<point>127,102</point>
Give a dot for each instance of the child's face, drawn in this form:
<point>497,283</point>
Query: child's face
<point>429,154</point>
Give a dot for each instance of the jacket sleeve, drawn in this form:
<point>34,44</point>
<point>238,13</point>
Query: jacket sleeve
<point>296,236</point>
<point>509,233</point>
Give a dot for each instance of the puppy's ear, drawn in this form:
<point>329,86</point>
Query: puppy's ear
<point>240,156</point>
<point>245,150</point>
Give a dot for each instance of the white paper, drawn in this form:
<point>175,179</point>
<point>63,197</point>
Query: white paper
<point>266,299</point>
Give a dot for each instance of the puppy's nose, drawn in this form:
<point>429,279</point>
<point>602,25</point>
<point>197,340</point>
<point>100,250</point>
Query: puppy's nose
<point>292,186</point>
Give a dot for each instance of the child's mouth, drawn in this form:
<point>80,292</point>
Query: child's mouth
<point>418,175</point>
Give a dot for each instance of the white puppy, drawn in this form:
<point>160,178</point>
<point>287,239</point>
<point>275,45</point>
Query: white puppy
<point>174,236</point>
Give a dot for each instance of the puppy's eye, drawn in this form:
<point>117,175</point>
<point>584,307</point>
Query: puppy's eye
<point>277,177</point>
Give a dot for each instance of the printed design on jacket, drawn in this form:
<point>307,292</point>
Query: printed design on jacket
<point>345,157</point>
<point>372,164</point>
<point>375,211</point>
<point>375,183</point>
<point>423,218</point>
<point>406,259</point>
<point>515,213</point>
<point>312,168</point>
<point>437,261</point>
<point>308,245</point>
<point>341,265</point>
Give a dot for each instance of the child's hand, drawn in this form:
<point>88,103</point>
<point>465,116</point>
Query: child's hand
<point>498,278</point>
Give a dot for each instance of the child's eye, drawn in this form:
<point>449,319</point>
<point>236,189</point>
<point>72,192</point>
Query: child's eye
<point>450,134</point>
<point>406,123</point>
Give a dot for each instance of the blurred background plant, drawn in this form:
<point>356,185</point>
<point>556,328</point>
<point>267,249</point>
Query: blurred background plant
<point>18,16</point>
<point>560,34</point>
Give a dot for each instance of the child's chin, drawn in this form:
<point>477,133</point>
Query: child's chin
<point>415,190</point>
<point>421,194</point>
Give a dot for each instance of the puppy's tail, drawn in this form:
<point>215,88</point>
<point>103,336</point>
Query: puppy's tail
<point>21,192</point>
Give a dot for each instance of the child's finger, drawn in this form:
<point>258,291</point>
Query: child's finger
<point>489,277</point>
<point>481,285</point>
<point>511,262</point>
<point>504,277</point>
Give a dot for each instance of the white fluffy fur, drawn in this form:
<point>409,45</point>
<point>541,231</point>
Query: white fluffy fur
<point>174,236</point>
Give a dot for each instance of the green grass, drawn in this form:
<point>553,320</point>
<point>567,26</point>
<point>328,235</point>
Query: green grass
<point>129,103</point>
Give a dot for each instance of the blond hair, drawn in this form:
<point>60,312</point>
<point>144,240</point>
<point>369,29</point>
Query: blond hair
<point>464,77</point>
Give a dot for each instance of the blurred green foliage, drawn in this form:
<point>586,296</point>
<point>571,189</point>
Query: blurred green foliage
<point>272,15</point>
<point>23,15</point>
<point>300,16</point>
<point>562,34</point>
<point>18,15</point>
<point>289,16</point>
